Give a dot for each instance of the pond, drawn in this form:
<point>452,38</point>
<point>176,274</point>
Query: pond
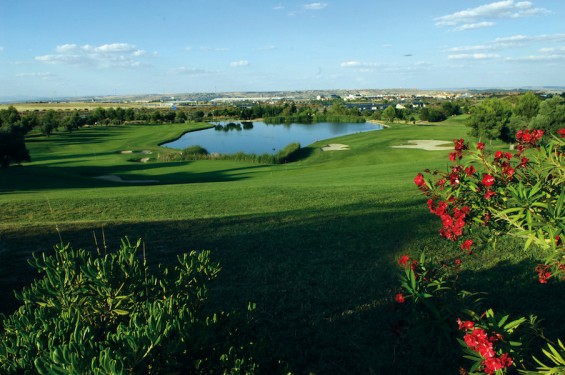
<point>259,138</point>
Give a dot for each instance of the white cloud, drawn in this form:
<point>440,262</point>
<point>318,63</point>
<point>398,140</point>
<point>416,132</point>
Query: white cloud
<point>510,42</point>
<point>473,56</point>
<point>214,49</point>
<point>538,58</point>
<point>368,67</point>
<point>473,18</point>
<point>314,6</point>
<point>478,25</point>
<point>357,64</point>
<point>104,56</point>
<point>278,7</point>
<point>239,63</point>
<point>267,48</point>
<point>190,71</point>
<point>1,49</point>
<point>553,50</point>
<point>46,76</point>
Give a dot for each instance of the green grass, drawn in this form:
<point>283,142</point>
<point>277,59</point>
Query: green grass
<point>313,242</point>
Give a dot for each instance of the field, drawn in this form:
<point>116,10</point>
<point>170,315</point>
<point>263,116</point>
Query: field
<point>69,106</point>
<point>313,243</point>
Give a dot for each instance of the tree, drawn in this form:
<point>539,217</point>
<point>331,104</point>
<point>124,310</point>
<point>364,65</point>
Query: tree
<point>49,122</point>
<point>551,115</point>
<point>12,146</point>
<point>73,122</point>
<point>451,109</point>
<point>490,120</point>
<point>9,116</point>
<point>527,106</point>
<point>180,117</point>
<point>389,114</point>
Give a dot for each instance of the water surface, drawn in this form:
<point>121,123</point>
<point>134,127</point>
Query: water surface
<point>261,138</point>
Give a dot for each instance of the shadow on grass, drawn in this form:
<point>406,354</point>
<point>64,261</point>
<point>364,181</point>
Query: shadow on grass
<point>35,178</point>
<point>323,280</point>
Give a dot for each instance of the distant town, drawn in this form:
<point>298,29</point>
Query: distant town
<point>410,96</point>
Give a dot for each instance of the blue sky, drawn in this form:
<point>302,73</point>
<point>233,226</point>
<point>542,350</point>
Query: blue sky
<point>76,48</point>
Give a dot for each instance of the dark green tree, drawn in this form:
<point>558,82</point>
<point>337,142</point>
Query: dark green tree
<point>490,119</point>
<point>49,122</point>
<point>12,146</point>
<point>551,115</point>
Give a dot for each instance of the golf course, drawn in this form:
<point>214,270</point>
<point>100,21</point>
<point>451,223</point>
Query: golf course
<point>313,243</point>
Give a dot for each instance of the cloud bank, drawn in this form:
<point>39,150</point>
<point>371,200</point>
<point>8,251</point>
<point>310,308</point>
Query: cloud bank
<point>482,16</point>
<point>111,55</point>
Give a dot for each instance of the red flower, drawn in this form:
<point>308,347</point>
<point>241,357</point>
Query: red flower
<point>399,298</point>
<point>403,260</point>
<point>489,194</point>
<point>469,171</point>
<point>488,180</point>
<point>419,179</point>
<point>543,273</point>
<point>561,132</point>
<point>498,154</point>
<point>480,146</point>
<point>466,245</point>
<point>466,325</point>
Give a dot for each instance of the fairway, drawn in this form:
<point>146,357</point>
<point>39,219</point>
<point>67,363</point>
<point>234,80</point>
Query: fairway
<point>313,243</point>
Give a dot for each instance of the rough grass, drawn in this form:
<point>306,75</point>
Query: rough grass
<point>313,242</point>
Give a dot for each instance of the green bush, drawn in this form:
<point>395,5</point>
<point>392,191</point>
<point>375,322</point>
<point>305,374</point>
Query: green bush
<point>195,150</point>
<point>109,314</point>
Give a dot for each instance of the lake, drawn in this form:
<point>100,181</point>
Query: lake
<point>259,138</point>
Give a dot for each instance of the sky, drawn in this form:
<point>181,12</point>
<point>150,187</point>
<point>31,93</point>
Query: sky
<point>61,48</point>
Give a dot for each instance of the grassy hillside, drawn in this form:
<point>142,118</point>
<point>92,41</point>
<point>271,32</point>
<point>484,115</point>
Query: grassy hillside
<point>313,242</point>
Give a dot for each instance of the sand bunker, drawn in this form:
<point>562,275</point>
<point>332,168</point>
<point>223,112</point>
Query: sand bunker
<point>147,152</point>
<point>114,178</point>
<point>126,152</point>
<point>335,147</point>
<point>428,145</point>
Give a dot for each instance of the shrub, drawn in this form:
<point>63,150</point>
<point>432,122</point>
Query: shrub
<point>195,150</point>
<point>109,314</point>
<point>518,193</point>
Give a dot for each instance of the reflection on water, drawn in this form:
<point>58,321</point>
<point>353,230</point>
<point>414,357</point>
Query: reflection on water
<point>260,138</point>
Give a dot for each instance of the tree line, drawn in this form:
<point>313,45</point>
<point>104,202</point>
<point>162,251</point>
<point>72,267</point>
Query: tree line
<point>496,118</point>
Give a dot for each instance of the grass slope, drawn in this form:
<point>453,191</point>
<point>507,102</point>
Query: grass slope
<point>313,242</point>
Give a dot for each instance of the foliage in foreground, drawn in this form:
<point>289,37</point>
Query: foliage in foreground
<point>520,195</point>
<point>109,314</point>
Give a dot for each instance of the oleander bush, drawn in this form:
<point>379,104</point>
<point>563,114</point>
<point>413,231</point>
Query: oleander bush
<point>484,196</point>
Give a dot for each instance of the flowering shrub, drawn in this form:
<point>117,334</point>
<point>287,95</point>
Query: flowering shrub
<point>486,342</point>
<point>484,195</point>
<point>519,193</point>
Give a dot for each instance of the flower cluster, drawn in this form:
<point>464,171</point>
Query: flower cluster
<point>479,341</point>
<point>495,190</point>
